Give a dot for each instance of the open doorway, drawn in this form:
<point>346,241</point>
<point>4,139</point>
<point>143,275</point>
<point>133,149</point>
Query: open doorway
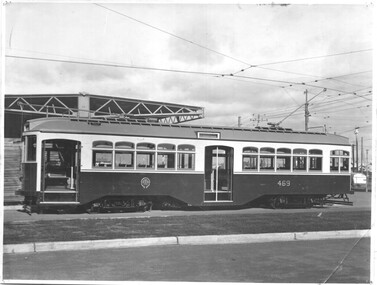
<point>218,173</point>
<point>60,170</point>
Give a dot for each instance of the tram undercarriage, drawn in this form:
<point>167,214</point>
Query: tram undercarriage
<point>123,204</point>
<point>306,201</point>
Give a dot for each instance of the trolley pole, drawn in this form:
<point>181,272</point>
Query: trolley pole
<point>307,114</point>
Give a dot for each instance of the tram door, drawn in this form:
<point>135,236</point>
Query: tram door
<point>218,173</point>
<point>60,171</point>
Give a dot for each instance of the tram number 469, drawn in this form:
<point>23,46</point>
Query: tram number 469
<point>284,183</point>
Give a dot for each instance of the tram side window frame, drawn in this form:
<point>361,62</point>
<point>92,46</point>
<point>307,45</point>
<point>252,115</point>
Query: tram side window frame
<point>146,151</point>
<point>300,159</point>
<point>315,160</point>
<point>104,148</point>
<point>31,148</point>
<point>339,161</point>
<point>250,158</point>
<point>284,155</point>
<point>166,156</point>
<point>127,149</point>
<point>186,157</point>
<point>267,159</point>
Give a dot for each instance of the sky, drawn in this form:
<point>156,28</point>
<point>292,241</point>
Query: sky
<point>235,60</point>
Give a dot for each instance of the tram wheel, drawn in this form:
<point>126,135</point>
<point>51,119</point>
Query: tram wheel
<point>277,202</point>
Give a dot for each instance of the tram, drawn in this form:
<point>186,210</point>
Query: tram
<point>105,166</point>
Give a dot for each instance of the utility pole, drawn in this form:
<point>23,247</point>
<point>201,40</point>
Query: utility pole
<point>362,154</point>
<point>367,150</point>
<point>367,170</point>
<point>357,149</point>
<point>353,158</point>
<point>307,114</point>
<point>258,119</point>
<point>239,121</point>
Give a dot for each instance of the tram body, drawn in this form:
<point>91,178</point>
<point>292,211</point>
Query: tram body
<point>101,165</point>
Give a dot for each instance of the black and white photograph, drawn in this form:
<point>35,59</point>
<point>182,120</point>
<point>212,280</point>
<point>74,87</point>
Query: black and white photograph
<point>194,141</point>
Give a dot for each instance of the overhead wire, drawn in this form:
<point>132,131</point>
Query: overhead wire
<point>170,34</point>
<point>232,76</point>
<point>314,57</point>
<point>284,112</point>
<point>231,57</point>
<point>215,74</point>
<point>300,59</point>
<point>139,67</point>
<point>113,65</point>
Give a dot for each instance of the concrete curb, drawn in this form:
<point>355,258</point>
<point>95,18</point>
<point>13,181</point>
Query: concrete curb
<point>12,207</point>
<point>88,244</point>
<point>181,240</point>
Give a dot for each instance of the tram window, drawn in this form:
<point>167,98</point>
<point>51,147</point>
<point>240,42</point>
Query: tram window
<point>284,151</point>
<point>124,145</point>
<point>166,160</point>
<point>315,151</point>
<point>166,146</point>
<point>186,147</point>
<point>315,159</point>
<point>267,162</point>
<point>124,159</point>
<point>250,162</point>
<point>334,163</point>
<point>283,163</point>
<point>186,160</point>
<point>250,150</point>
<point>344,164</point>
<point>102,144</point>
<point>31,150</point>
<point>315,163</point>
<point>340,152</point>
<point>146,146</point>
<point>267,150</point>
<point>102,158</point>
<point>299,163</point>
<point>145,159</point>
<point>339,160</point>
<point>300,151</point>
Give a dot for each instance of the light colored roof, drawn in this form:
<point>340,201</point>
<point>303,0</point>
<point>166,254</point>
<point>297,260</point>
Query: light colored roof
<point>66,125</point>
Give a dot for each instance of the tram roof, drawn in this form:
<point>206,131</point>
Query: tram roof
<point>98,127</point>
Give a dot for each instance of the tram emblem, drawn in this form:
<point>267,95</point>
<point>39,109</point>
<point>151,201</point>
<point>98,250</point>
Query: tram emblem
<point>145,182</point>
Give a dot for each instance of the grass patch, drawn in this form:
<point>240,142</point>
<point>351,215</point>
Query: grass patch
<point>93,229</point>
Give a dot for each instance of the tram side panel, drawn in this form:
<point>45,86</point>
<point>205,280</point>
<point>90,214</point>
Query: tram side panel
<point>187,188</point>
<point>248,187</point>
<point>29,181</point>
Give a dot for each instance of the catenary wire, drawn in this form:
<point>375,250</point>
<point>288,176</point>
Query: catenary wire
<point>225,55</point>
<point>170,34</point>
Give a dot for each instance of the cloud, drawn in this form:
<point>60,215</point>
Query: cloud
<point>28,73</point>
<point>90,73</point>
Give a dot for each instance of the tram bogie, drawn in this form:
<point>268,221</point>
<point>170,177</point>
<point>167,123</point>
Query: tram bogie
<point>106,167</point>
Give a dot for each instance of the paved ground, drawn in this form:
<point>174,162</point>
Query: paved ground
<point>360,200</point>
<point>331,261</point>
<point>299,261</point>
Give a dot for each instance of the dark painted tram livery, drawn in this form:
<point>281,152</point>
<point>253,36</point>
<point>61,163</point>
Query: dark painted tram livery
<point>102,166</point>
